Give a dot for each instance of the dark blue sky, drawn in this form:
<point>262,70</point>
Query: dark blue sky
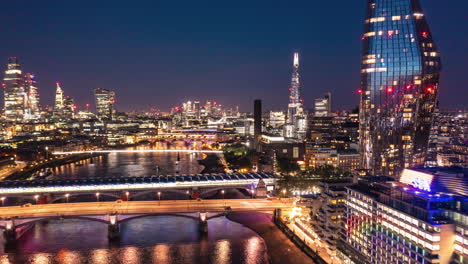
<point>160,53</point>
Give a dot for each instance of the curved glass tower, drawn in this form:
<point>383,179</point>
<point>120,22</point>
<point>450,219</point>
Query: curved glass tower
<point>399,84</point>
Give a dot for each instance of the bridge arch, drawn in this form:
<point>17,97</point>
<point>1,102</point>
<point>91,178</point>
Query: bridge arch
<point>193,217</point>
<point>42,219</point>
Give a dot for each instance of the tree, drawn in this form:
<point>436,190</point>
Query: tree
<point>287,165</point>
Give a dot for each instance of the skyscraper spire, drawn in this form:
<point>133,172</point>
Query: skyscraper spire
<point>296,60</point>
<point>296,119</point>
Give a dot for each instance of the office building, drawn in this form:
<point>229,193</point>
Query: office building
<point>105,100</point>
<point>423,218</point>
<point>64,107</point>
<point>15,95</point>
<point>322,106</point>
<point>399,85</point>
<point>33,106</point>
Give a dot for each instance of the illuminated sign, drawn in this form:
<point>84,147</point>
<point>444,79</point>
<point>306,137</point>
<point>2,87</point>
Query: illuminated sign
<point>417,179</point>
<point>422,184</point>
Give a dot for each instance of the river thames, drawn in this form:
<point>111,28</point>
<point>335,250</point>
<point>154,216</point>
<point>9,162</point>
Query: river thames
<point>152,239</point>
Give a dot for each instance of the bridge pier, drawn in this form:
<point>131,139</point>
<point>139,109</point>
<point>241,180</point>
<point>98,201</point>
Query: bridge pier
<point>202,223</point>
<point>113,229</point>
<point>10,232</point>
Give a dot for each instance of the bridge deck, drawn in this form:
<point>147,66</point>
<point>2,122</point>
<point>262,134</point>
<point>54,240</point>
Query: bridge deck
<point>147,207</point>
<point>135,183</point>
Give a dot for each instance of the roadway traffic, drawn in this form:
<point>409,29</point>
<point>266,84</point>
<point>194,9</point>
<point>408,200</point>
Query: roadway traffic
<point>133,207</point>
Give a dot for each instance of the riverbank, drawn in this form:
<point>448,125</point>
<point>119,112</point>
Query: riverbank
<point>54,162</point>
<point>280,249</point>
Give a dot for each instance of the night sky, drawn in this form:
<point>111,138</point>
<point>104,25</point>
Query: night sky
<point>161,53</point>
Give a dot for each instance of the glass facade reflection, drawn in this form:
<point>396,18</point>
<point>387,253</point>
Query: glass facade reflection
<point>399,84</point>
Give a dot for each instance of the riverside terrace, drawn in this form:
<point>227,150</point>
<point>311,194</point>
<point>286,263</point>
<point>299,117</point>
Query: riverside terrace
<point>114,187</point>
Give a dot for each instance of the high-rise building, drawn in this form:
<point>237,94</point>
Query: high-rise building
<point>322,106</point>
<point>399,85</point>
<point>59,98</point>
<point>296,125</point>
<point>15,95</point>
<point>257,123</point>
<point>105,100</point>
<point>33,107</point>
<point>64,107</point>
<point>420,219</point>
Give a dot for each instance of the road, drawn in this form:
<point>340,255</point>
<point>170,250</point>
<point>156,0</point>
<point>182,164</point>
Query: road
<point>129,207</point>
<point>7,172</point>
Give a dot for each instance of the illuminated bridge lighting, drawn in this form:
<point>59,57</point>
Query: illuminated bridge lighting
<point>136,183</point>
<point>136,151</point>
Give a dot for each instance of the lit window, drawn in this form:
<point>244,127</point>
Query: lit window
<point>377,19</point>
<point>396,17</point>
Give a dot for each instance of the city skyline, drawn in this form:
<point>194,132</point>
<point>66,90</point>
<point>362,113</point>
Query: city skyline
<point>258,65</point>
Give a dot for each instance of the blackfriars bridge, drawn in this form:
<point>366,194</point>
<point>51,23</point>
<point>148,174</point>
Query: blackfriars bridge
<point>15,220</point>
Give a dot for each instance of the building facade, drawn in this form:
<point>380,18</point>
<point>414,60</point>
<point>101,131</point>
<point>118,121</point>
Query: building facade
<point>33,109</point>
<point>105,100</point>
<point>15,95</point>
<point>399,84</point>
<point>322,106</point>
<point>420,219</point>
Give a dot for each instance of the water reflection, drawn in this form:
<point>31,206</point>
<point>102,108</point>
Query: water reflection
<point>161,254</point>
<point>99,256</point>
<point>136,164</point>
<point>223,252</point>
<point>158,239</point>
<point>130,255</point>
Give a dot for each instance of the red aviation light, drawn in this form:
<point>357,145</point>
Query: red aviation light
<point>408,86</point>
<point>359,91</point>
<point>424,34</point>
<point>390,89</point>
<point>363,38</point>
<point>429,89</point>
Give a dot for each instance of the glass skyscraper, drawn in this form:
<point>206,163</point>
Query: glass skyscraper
<point>105,100</point>
<point>399,85</point>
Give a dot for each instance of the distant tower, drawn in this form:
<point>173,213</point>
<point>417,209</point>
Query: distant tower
<point>14,91</point>
<point>296,125</point>
<point>34,111</point>
<point>257,123</point>
<point>322,106</point>
<point>59,98</point>
<point>64,107</point>
<point>105,100</point>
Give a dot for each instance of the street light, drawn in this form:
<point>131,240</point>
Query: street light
<point>127,194</point>
<point>224,202</point>
<point>159,197</point>
<point>36,197</point>
<point>252,191</point>
<point>3,201</point>
<point>97,196</point>
<point>66,196</point>
<point>47,152</point>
